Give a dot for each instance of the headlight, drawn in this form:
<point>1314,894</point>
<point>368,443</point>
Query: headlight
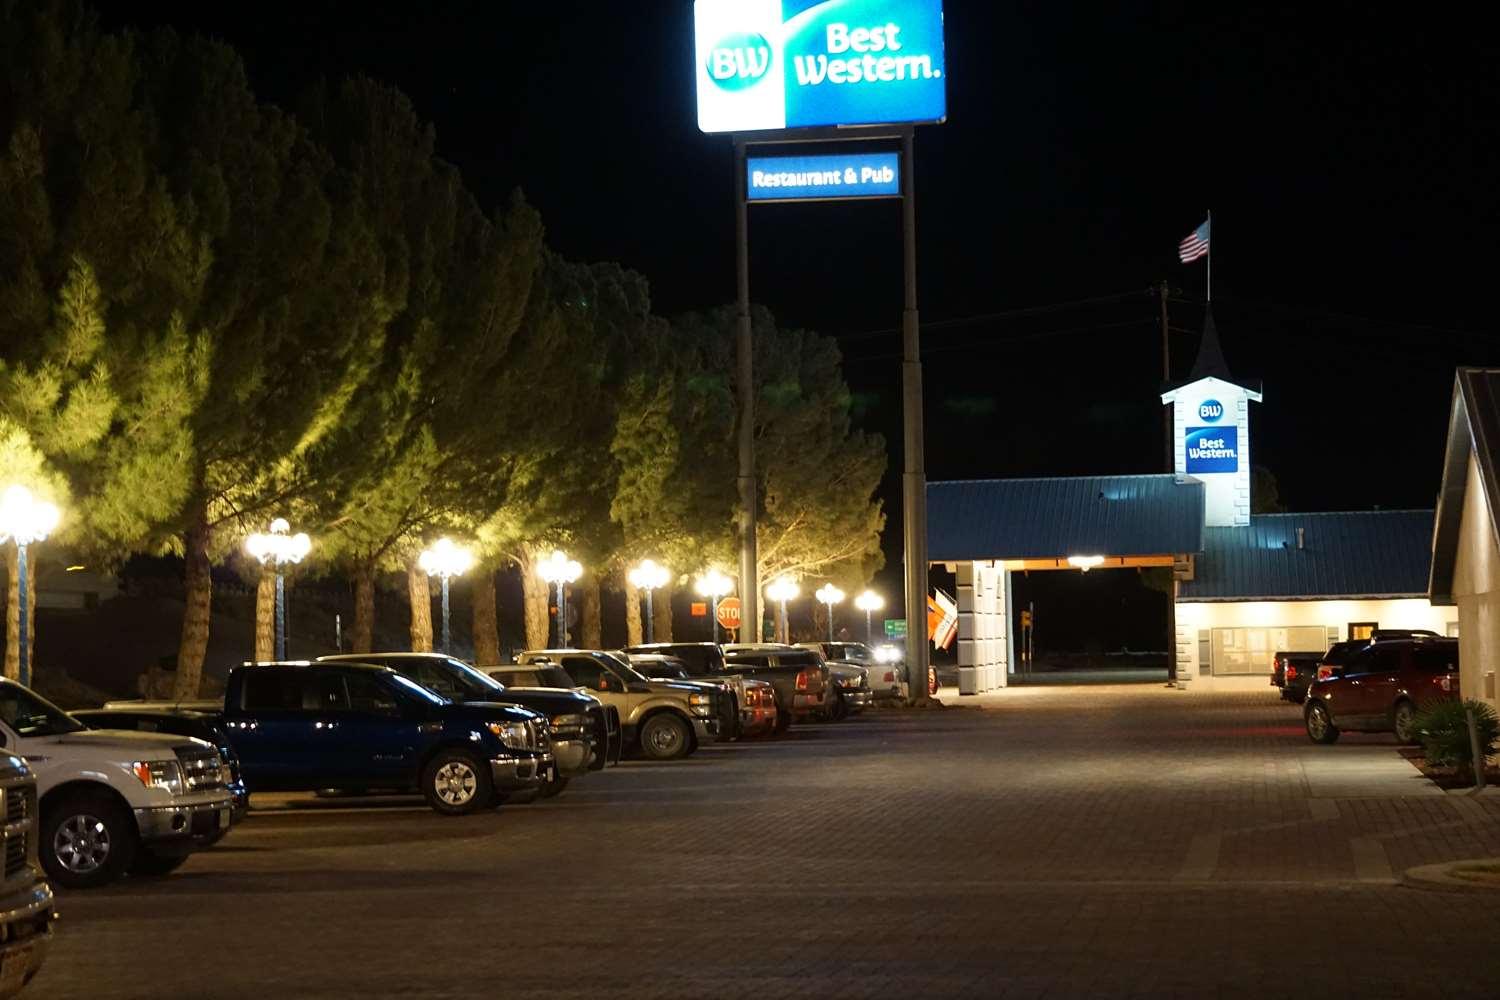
<point>887,654</point>
<point>847,682</point>
<point>569,721</point>
<point>512,734</point>
<point>702,703</point>
<point>165,774</point>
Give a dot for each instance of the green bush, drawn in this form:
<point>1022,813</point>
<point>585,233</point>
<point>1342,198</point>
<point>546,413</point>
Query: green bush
<point>1443,729</point>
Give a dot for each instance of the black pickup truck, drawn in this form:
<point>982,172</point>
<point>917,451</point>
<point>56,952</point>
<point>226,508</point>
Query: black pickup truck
<point>1292,672</point>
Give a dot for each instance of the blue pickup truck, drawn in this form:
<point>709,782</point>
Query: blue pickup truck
<point>311,726</point>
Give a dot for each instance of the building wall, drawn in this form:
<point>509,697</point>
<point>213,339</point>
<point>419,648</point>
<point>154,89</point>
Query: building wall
<point>1195,619</point>
<point>1476,589</point>
<point>983,626</point>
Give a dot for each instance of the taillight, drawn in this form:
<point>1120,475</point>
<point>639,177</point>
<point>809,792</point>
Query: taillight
<point>1277,663</point>
<point>1325,673</point>
<point>1445,682</point>
<point>803,680</point>
<point>890,677</point>
<point>1291,673</point>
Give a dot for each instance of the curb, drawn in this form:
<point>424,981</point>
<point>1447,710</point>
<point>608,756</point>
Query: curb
<point>1440,876</point>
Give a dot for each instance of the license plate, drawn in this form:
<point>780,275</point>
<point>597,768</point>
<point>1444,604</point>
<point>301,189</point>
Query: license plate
<point>205,822</point>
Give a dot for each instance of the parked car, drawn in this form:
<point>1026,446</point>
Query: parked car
<point>113,802</point>
<point>730,688</point>
<point>1380,688</point>
<point>302,726</point>
<point>576,724</point>
<point>802,681</point>
<point>887,678</point>
<point>851,689</point>
<point>1293,671</point>
<point>26,914</point>
<point>204,726</point>
<point>664,719</point>
<point>758,713</point>
<point>549,677</point>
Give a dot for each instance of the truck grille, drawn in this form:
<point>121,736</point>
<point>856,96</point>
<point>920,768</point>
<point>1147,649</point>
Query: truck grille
<point>202,769</point>
<point>20,812</point>
<point>15,852</point>
<point>19,804</point>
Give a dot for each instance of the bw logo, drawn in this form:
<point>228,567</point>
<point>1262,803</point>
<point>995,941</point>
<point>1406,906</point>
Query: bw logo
<point>739,61</point>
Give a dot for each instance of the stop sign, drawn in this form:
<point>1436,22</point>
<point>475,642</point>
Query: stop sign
<point>729,612</point>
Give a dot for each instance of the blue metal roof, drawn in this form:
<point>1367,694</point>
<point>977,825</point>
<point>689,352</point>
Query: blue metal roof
<point>1056,518</point>
<point>1344,555</point>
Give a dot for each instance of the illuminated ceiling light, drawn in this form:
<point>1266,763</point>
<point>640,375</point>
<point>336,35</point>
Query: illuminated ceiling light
<point>1085,563</point>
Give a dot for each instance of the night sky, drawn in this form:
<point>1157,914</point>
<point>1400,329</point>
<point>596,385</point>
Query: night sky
<point>1349,157</point>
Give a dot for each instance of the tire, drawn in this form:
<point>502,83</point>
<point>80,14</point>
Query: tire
<point>151,863</point>
<point>553,788</point>
<point>783,718</point>
<point>1298,697</point>
<point>840,710</point>
<point>1320,728</point>
<point>665,737</point>
<point>87,839</point>
<point>1403,722</point>
<point>456,783</point>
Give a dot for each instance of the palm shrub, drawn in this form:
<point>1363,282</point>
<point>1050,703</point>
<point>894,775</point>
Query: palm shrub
<point>1443,728</point>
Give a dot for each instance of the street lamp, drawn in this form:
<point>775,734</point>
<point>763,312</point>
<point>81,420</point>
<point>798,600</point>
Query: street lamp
<point>829,595</point>
<point>869,602</point>
<point>648,576</point>
<point>560,570</point>
<point>277,548</point>
<point>714,585</point>
<point>445,560</point>
<point>23,520</point>
<point>781,591</point>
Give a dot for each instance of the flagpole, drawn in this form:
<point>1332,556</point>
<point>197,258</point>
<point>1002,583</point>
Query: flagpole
<point>1210,255</point>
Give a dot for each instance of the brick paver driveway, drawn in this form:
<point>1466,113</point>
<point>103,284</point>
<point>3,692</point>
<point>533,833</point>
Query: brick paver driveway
<point>1061,842</point>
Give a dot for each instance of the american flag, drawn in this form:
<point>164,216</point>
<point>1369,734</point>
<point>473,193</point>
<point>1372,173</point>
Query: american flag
<point>1194,245</point>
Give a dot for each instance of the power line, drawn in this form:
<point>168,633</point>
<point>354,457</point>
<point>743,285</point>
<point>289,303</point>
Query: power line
<point>955,321</point>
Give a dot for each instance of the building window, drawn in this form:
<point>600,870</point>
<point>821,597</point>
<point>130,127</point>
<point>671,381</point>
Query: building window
<point>1363,630</point>
<point>1251,650</point>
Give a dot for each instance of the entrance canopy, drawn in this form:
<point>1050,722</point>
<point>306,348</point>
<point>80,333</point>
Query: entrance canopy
<point>1043,523</point>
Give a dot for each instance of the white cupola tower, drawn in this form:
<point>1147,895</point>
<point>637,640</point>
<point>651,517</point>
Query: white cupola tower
<point>1211,432</point>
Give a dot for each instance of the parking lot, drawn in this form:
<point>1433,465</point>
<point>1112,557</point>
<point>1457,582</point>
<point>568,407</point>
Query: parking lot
<point>1123,840</point>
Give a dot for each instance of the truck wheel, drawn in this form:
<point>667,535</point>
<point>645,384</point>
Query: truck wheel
<point>1404,722</point>
<point>87,839</point>
<point>151,863</point>
<point>840,710</point>
<point>1320,728</point>
<point>783,718</point>
<point>454,783</point>
<point>665,737</point>
<point>553,788</point>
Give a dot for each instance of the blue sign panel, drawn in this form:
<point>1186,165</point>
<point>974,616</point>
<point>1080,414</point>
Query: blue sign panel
<point>1210,410</point>
<point>786,64</point>
<point>797,178</point>
<point>1213,449</point>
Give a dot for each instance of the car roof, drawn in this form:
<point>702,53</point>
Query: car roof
<point>355,657</point>
<point>377,667</point>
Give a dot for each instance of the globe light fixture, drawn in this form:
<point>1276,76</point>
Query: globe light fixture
<point>445,561</point>
<point>24,520</point>
<point>869,602</point>
<point>1085,563</point>
<point>559,570</point>
<point>279,548</point>
<point>647,577</point>
<point>714,586</point>
<point>829,595</point>
<point>782,590</point>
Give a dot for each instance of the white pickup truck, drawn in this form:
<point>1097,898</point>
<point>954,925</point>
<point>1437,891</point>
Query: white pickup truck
<point>112,801</point>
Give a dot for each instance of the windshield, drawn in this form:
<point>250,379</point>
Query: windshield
<point>30,715</point>
<point>472,683</point>
<point>623,667</point>
<point>412,687</point>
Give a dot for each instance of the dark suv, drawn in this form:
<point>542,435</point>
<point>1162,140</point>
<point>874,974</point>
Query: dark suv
<point>1380,687</point>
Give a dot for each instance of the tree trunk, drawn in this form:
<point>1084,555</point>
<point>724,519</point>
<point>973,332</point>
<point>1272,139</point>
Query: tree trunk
<point>265,617</point>
<point>421,608</point>
<point>590,627</point>
<point>634,632</point>
<point>486,621</point>
<point>198,595</point>
<point>13,612</point>
<point>662,614</point>
<point>363,634</point>
<point>535,602</point>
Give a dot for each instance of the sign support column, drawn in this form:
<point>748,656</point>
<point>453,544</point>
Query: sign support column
<point>914,474</point>
<point>745,388</point>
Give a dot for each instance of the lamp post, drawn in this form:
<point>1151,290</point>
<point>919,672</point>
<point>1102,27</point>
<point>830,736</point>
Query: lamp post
<point>714,585</point>
<point>829,595</point>
<point>23,520</point>
<point>781,591</point>
<point>277,548</point>
<point>648,576</point>
<point>560,570</point>
<point>444,561</point>
<point>869,602</point>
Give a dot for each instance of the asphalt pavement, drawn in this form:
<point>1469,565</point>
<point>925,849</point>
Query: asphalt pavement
<point>1100,841</point>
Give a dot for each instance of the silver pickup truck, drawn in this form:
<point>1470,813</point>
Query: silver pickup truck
<point>25,899</point>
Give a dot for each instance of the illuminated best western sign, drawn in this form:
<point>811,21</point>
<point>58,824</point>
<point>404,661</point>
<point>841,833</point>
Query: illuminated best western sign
<point>784,64</point>
<point>799,178</point>
<point>1213,449</point>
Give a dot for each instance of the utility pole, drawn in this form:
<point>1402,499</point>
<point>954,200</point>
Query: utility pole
<point>745,392</point>
<point>914,473</point>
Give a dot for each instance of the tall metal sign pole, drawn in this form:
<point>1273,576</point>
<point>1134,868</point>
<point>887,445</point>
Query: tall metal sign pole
<point>914,472</point>
<point>745,386</point>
